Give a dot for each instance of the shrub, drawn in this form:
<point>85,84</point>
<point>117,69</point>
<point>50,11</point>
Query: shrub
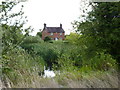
<point>101,61</point>
<point>32,39</point>
<point>17,65</point>
<point>47,39</point>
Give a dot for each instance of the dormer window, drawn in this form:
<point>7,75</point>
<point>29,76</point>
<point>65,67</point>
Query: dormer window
<point>51,34</point>
<point>60,33</point>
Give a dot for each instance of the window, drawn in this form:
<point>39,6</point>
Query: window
<point>60,33</point>
<point>51,34</point>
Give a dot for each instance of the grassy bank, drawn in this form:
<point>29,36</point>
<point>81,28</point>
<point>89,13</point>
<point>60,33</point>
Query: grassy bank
<point>21,67</point>
<point>70,80</point>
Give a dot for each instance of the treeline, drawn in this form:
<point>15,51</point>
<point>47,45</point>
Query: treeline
<point>101,29</point>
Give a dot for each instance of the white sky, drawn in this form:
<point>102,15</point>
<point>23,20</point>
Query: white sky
<point>51,12</point>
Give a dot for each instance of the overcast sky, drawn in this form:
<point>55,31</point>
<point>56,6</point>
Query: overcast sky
<point>51,12</point>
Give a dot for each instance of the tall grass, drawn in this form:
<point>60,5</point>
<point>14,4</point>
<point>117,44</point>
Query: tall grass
<point>98,79</point>
<point>19,66</point>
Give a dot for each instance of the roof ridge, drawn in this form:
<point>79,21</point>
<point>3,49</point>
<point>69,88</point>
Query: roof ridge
<point>55,29</point>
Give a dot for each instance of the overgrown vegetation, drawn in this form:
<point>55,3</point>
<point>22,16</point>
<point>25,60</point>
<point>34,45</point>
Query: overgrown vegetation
<point>94,48</point>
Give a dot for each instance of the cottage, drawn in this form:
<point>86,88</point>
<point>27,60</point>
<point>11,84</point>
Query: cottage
<point>55,33</point>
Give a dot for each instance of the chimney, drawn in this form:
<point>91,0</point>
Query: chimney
<point>44,25</point>
<point>60,25</point>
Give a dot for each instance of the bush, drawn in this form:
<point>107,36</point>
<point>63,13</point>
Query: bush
<point>32,39</point>
<point>17,65</point>
<point>47,39</point>
<point>101,61</point>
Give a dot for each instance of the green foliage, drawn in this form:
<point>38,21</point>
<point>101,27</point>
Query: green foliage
<point>1,32</point>
<point>65,63</point>
<point>101,61</point>
<point>39,34</point>
<point>48,54</point>
<point>11,27</point>
<point>72,38</point>
<point>17,64</point>
<point>47,39</point>
<point>31,39</point>
<point>65,56</point>
<point>12,36</point>
<point>91,50</point>
<point>101,30</point>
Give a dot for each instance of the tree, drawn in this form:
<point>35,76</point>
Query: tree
<point>11,27</point>
<point>73,38</point>
<point>102,27</point>
<point>47,39</point>
<point>39,34</point>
